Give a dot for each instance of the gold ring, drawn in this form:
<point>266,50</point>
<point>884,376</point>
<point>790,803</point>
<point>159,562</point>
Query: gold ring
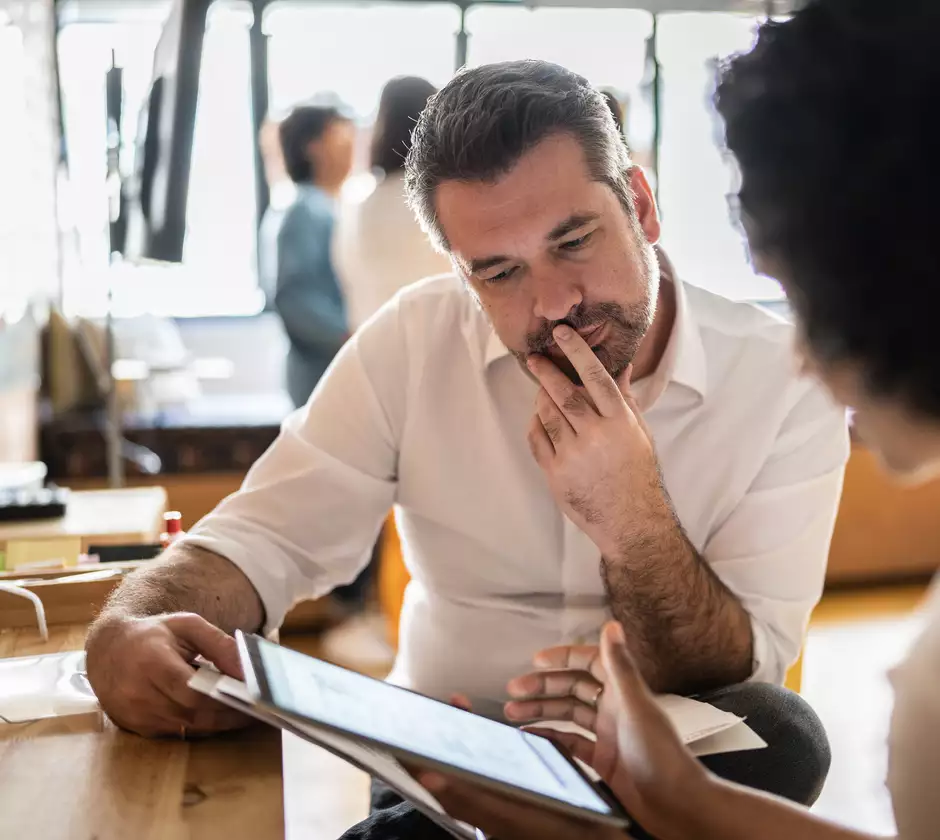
<point>182,731</point>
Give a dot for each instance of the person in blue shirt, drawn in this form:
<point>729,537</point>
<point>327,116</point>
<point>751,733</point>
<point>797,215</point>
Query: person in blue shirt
<point>317,144</point>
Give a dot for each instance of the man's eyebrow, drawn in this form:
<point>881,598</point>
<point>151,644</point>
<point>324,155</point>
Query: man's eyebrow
<point>484,263</point>
<point>571,223</point>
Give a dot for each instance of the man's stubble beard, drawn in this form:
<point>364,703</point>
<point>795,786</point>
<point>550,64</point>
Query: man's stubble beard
<point>628,326</point>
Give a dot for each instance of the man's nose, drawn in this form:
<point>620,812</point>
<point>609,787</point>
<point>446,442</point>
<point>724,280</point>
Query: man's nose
<point>555,297</point>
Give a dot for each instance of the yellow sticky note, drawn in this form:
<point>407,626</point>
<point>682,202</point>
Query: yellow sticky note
<point>64,550</point>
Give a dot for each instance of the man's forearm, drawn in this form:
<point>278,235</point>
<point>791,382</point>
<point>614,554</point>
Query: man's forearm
<point>687,630</point>
<point>189,579</point>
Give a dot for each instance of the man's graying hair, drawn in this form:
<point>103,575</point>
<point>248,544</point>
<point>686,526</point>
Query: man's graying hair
<point>486,118</point>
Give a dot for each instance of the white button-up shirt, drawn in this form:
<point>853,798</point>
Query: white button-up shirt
<point>425,409</point>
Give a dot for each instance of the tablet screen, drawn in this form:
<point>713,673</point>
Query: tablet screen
<point>423,727</point>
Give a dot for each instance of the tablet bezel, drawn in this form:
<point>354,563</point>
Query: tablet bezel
<point>257,682</point>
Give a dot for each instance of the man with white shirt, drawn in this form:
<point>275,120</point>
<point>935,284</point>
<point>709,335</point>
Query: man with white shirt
<point>510,414</point>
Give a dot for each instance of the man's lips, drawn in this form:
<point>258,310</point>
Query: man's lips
<point>592,334</point>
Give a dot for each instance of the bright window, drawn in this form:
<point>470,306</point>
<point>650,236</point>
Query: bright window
<point>219,249</point>
<point>607,46</point>
<point>85,53</point>
<point>218,276</point>
<point>696,179</point>
<point>353,50</point>
<point>16,239</point>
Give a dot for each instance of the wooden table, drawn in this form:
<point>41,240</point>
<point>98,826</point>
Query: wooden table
<point>82,778</point>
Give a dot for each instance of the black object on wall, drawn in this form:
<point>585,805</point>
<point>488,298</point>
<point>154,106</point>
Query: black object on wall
<point>157,200</point>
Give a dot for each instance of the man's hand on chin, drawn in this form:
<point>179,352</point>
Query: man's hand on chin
<point>594,447</point>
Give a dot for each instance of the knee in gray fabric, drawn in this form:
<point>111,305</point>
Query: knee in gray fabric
<point>797,760</point>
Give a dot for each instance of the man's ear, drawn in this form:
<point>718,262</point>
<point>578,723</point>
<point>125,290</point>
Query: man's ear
<point>644,204</point>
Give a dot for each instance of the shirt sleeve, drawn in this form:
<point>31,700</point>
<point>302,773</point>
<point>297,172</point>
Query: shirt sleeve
<point>773,549</point>
<point>307,516</point>
<point>914,740</point>
<point>307,296</point>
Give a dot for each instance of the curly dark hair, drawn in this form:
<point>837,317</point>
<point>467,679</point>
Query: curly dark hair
<point>832,122</point>
<point>486,118</point>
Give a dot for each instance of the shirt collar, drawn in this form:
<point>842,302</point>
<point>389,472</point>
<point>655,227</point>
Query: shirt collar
<point>688,366</point>
<point>682,363</point>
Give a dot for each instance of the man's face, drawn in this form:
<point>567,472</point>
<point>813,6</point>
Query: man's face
<point>545,245</point>
<point>333,152</point>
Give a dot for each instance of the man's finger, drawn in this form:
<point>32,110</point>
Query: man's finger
<point>206,639</point>
<point>184,707</point>
<point>579,684</point>
<point>155,716</point>
<point>540,443</point>
<point>570,399</point>
<point>599,384</point>
<point>553,709</point>
<point>571,658</point>
<point>217,718</point>
<point>170,675</point>
<point>461,701</point>
<point>554,423</point>
<point>625,385</point>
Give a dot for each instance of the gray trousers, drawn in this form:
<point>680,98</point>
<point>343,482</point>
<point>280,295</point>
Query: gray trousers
<point>794,765</point>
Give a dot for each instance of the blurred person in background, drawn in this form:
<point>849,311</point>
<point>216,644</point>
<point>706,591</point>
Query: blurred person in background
<point>317,144</point>
<point>380,247</point>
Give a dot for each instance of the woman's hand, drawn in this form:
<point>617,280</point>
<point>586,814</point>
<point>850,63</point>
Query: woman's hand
<point>638,752</point>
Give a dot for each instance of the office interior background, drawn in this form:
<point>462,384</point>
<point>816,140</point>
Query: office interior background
<point>197,359</point>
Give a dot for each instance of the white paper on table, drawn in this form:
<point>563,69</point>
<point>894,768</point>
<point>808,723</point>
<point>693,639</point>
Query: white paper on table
<point>45,686</point>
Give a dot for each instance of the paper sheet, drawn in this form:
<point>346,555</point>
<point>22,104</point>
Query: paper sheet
<point>50,685</point>
<point>704,729</point>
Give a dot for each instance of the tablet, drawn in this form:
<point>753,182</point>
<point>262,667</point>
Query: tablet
<point>422,731</point>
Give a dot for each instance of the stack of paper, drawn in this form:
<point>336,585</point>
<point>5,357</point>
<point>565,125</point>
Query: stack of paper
<point>707,730</point>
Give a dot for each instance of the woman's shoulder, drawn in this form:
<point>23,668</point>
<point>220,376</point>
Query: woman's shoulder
<point>914,741</point>
<point>921,666</point>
